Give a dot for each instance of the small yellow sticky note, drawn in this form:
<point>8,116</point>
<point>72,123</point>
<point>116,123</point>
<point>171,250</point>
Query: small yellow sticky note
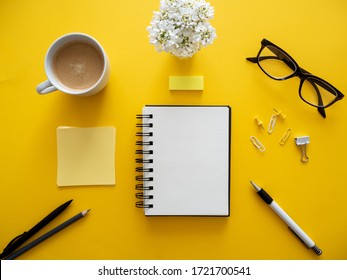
<point>186,82</point>
<point>86,156</point>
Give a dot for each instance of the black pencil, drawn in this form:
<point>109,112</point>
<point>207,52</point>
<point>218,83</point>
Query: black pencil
<point>19,240</point>
<point>47,235</point>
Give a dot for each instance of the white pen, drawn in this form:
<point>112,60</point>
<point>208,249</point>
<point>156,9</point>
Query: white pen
<point>284,216</point>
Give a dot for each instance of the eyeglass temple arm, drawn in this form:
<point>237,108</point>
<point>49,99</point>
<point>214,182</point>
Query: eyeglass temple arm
<point>252,59</point>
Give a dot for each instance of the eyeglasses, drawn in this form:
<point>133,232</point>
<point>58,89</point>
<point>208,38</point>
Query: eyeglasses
<point>279,65</point>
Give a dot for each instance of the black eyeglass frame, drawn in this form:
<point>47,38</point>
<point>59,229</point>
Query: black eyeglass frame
<point>301,73</point>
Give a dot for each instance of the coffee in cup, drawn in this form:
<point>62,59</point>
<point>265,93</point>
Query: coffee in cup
<point>75,64</point>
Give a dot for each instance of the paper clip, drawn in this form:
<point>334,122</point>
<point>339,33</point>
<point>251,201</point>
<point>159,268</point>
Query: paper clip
<point>257,144</point>
<point>285,136</point>
<point>272,123</point>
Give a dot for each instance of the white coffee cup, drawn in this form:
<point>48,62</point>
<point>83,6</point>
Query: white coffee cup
<point>75,64</point>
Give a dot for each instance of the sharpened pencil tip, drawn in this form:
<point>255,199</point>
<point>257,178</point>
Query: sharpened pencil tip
<point>85,212</point>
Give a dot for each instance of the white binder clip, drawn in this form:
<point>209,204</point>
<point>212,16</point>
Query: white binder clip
<point>302,142</point>
<point>257,144</point>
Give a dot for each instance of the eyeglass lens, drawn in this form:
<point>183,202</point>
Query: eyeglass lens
<point>276,63</point>
<point>317,92</point>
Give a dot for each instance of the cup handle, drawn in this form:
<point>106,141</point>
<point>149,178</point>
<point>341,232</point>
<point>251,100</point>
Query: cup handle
<point>45,87</point>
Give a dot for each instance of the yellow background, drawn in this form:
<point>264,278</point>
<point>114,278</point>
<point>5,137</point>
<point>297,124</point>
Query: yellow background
<point>313,194</point>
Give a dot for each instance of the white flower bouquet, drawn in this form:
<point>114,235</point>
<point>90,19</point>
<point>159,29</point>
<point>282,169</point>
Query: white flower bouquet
<point>181,27</point>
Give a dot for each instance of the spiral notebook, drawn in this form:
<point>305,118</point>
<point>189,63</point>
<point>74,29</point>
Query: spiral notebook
<point>183,159</point>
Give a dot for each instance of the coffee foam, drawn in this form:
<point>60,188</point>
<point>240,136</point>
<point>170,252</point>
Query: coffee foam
<point>78,65</point>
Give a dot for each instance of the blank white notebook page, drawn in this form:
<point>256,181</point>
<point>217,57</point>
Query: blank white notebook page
<point>191,160</point>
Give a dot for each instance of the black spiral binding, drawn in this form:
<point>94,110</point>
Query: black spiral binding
<point>144,180</point>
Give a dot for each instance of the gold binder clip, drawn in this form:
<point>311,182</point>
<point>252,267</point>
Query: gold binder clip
<point>285,136</point>
<point>272,123</point>
<point>257,144</point>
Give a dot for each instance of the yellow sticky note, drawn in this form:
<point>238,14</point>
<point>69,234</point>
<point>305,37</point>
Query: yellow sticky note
<point>186,82</point>
<point>86,156</point>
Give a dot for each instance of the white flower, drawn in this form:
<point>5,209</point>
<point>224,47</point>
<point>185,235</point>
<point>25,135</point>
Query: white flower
<point>181,27</point>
